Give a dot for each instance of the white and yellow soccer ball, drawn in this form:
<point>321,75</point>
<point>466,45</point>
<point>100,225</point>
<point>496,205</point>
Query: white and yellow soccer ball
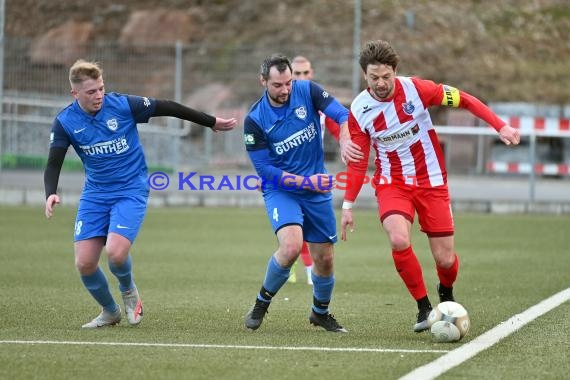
<point>448,322</point>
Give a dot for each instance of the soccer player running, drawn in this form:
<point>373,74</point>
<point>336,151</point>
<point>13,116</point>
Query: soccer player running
<point>391,114</point>
<point>102,128</point>
<point>282,137</point>
<point>303,70</point>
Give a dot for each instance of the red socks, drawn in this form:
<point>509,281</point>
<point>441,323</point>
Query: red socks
<point>447,276</point>
<point>410,271</point>
<point>306,255</point>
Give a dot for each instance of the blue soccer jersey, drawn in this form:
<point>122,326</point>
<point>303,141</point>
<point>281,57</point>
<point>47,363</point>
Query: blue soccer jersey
<point>107,143</point>
<point>291,133</point>
<point>289,138</point>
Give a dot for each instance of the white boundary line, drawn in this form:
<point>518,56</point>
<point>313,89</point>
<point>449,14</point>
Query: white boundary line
<point>231,346</point>
<point>488,339</point>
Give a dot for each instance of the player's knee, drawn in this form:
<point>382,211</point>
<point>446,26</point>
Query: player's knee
<point>325,262</point>
<point>399,241</point>
<point>117,256</point>
<point>85,267</point>
<point>445,259</point>
<point>291,249</point>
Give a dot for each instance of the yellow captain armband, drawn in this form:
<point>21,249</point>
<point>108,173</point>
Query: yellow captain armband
<point>450,96</point>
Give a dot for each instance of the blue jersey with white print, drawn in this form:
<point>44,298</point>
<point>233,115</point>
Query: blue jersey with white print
<point>107,143</point>
<point>289,138</point>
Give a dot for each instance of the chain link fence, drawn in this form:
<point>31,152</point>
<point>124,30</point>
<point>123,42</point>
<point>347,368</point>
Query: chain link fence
<point>221,80</point>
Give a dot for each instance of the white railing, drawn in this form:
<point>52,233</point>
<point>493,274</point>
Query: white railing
<point>489,131</point>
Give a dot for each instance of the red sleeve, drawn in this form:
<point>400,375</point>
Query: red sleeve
<point>433,94</point>
<point>333,128</point>
<point>477,108</point>
<point>356,171</point>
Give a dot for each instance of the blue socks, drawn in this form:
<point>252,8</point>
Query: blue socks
<point>124,274</point>
<point>322,293</point>
<point>97,285</point>
<point>275,277</point>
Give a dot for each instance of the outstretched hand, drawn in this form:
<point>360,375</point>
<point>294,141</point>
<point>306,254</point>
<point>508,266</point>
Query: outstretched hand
<point>509,135</point>
<point>224,125</point>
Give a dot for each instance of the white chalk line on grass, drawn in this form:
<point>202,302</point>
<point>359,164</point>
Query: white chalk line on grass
<point>230,346</point>
<point>488,339</point>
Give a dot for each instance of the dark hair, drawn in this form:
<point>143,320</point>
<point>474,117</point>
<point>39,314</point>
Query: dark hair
<point>280,61</point>
<point>378,52</point>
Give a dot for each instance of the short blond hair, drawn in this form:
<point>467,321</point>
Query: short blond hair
<point>83,70</point>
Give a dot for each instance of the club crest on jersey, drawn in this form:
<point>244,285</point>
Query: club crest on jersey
<point>112,124</point>
<point>249,139</point>
<point>301,113</point>
<point>408,107</point>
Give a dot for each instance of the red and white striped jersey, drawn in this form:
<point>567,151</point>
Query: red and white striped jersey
<point>402,134</point>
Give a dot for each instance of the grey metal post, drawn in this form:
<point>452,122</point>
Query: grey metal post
<point>356,48</point>
<point>531,175</point>
<point>2,11</point>
<point>480,154</point>
<point>178,76</point>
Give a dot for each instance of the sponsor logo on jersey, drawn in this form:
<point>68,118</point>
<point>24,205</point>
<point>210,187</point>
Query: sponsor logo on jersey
<point>296,139</point>
<point>408,107</point>
<point>112,124</point>
<point>325,94</point>
<point>248,139</point>
<point>146,101</point>
<point>366,108</point>
<point>301,113</point>
<point>400,136</point>
<point>116,146</point>
<point>450,96</point>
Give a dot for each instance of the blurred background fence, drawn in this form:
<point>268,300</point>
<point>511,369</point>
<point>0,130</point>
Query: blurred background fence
<point>220,80</point>
<point>223,80</point>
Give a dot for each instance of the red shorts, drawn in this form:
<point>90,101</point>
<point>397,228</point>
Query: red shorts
<point>432,205</point>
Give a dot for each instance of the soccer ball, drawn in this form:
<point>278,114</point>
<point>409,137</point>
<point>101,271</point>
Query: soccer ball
<point>449,322</point>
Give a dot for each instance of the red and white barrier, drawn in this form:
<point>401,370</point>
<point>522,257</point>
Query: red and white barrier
<point>529,123</point>
<point>524,168</point>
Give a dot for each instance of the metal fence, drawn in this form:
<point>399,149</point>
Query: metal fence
<point>221,80</point>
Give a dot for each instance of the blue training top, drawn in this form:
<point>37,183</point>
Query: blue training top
<point>289,138</point>
<point>107,143</point>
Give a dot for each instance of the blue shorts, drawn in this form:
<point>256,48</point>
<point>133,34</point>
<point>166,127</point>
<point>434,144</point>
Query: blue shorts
<point>123,215</point>
<point>315,214</point>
